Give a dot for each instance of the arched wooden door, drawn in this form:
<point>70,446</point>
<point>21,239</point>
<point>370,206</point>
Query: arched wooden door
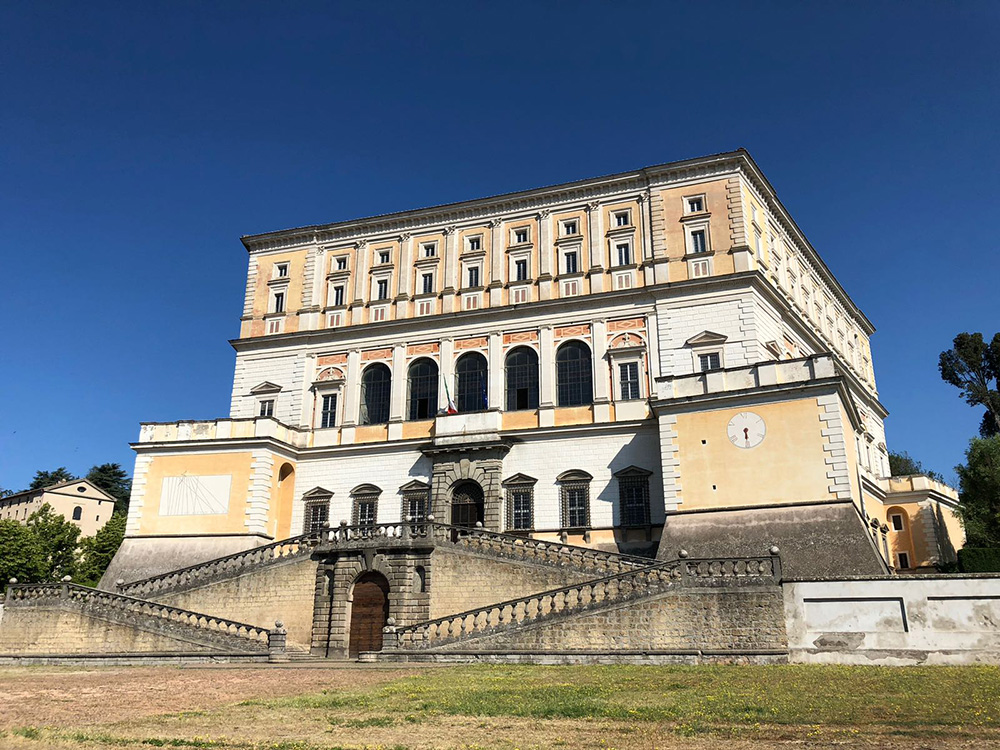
<point>467,504</point>
<point>369,612</point>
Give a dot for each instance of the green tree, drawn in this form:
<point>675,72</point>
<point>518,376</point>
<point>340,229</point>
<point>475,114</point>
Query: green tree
<point>112,479</point>
<point>973,366</point>
<point>6,493</point>
<point>979,492</point>
<point>57,538</point>
<point>96,551</point>
<point>48,478</point>
<point>903,464</point>
<point>21,556</point>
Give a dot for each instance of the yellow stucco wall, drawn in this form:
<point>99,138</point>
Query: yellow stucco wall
<point>788,466</point>
<point>237,465</point>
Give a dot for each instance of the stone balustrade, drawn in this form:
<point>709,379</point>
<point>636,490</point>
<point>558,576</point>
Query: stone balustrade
<point>632,584</point>
<point>759,375</point>
<point>223,429</point>
<point>234,635</point>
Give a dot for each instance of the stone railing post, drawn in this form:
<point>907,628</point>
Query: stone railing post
<point>390,636</point>
<point>685,573</point>
<point>277,640</point>
<point>775,563</point>
<point>64,588</point>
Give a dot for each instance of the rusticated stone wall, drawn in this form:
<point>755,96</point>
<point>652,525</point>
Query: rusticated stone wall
<point>262,595</point>
<point>51,630</point>
<point>716,619</point>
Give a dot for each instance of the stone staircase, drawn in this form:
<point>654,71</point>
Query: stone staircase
<point>387,536</point>
<point>458,633</point>
<point>174,630</point>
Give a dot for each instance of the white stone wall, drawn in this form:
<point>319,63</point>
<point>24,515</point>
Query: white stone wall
<point>897,621</point>
<point>731,315</point>
<point>284,369</point>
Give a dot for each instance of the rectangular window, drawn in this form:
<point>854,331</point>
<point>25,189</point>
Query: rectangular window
<point>383,256</point>
<point>904,560</point>
<point>520,236</point>
<point>473,277</point>
<point>415,508</point>
<point>266,408</point>
<point>753,212</point>
<point>700,268</point>
<point>695,205</point>
<point>519,500</point>
<point>633,500</point>
<point>571,289</point>
<point>379,314</point>
<point>425,307</point>
<point>328,412</point>
<point>624,253</point>
<point>629,375</point>
<point>282,270</point>
<point>569,227</point>
<point>427,280</point>
<point>382,289</point>
<point>366,510</point>
<point>342,263</point>
<point>709,361</point>
<point>570,262</point>
<point>520,296</point>
<point>430,249</point>
<point>474,244</point>
<point>897,522</point>
<point>622,219</point>
<point>334,320</point>
<point>276,326</point>
<point>471,302</point>
<point>699,243</point>
<point>317,516</point>
<point>278,302</point>
<point>338,296</point>
<point>757,245</point>
<point>521,270</point>
<point>623,281</point>
<point>576,505</point>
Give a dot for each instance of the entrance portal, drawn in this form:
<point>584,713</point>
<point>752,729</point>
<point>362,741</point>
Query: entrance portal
<point>369,613</point>
<point>467,504</point>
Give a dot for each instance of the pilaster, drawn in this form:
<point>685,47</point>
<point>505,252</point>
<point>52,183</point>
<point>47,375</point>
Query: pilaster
<point>397,397</point>
<point>450,270</point>
<point>546,376</point>
<point>496,381</point>
<point>595,218</point>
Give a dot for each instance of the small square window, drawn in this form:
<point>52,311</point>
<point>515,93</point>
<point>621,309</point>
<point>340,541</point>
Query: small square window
<point>695,205</point>
<point>571,288</point>
<point>266,408</point>
<point>570,227</point>
<point>623,280</point>
<point>276,326</point>
<point>335,320</point>
<point>379,314</point>
<point>623,218</point>
<point>341,263</point>
<point>699,269</point>
<point>521,269</point>
<point>520,295</point>
<point>520,236</point>
<point>471,302</point>
<point>711,361</point>
<point>475,243</point>
<point>430,250</point>
<point>425,307</point>
<point>383,256</point>
<point>281,270</point>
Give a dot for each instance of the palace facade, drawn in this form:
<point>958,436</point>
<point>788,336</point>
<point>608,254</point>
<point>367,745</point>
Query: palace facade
<point>656,362</point>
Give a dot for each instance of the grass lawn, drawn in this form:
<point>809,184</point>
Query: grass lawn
<point>503,706</point>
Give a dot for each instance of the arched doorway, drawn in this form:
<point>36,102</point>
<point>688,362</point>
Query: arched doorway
<point>369,613</point>
<point>467,504</point>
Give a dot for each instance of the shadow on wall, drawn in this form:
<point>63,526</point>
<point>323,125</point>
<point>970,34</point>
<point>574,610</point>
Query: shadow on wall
<point>947,550</point>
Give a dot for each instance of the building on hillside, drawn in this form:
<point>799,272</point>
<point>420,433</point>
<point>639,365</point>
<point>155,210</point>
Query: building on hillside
<point>648,362</point>
<point>77,500</point>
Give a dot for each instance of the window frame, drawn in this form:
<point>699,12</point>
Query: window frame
<point>569,483</point>
<point>309,522</point>
<point>634,478</point>
<point>428,249</point>
<point>527,380</point>
<point>413,409</point>
<point>385,386</point>
<point>703,207</point>
<point>363,496</point>
<point>617,214</point>
<point>466,401</point>
<point>519,484</point>
<point>584,376</point>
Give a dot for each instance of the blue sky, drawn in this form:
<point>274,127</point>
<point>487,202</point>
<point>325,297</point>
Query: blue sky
<point>139,141</point>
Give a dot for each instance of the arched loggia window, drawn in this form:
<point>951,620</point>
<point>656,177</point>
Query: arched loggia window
<point>422,390</point>
<point>574,374</point>
<point>376,385</point>
<point>471,382</point>
<point>521,369</point>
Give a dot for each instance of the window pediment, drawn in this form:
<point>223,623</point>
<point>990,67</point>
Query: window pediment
<point>574,475</point>
<point>706,338</point>
<point>366,489</point>
<point>317,493</point>
<point>523,479</point>
<point>415,486</point>
<point>633,471</point>
<point>265,387</point>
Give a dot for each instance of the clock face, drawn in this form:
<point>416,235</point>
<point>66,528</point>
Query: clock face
<point>746,430</point>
